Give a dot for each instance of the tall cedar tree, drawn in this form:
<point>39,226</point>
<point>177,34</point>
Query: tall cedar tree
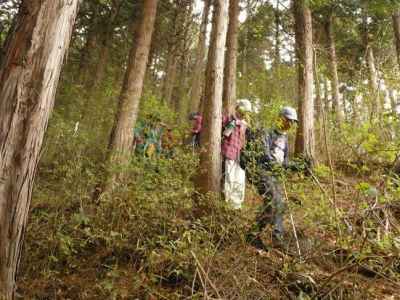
<point>29,76</point>
<point>175,43</point>
<point>375,107</point>
<point>210,157</point>
<point>128,105</point>
<point>106,40</point>
<point>305,144</point>
<point>198,73</point>
<point>396,30</point>
<point>333,69</point>
<point>229,92</point>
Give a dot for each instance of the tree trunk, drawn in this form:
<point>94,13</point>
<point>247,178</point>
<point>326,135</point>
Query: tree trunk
<point>336,107</point>
<point>210,159</point>
<point>277,13</point>
<point>198,74</point>
<point>303,29</point>
<point>393,100</point>
<point>176,43</point>
<point>104,52</point>
<point>327,95</point>
<point>396,29</point>
<point>374,102</point>
<point>128,105</point>
<point>229,91</point>
<point>89,47</point>
<point>170,76</point>
<point>172,59</point>
<point>29,78</point>
<point>373,84</point>
<point>180,93</point>
<point>356,115</point>
<point>87,52</point>
<point>319,110</point>
<point>101,66</point>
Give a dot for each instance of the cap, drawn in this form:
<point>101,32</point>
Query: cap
<point>289,113</point>
<point>244,105</point>
<point>193,115</point>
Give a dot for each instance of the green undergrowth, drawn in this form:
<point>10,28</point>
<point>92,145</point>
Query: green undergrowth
<point>156,238</point>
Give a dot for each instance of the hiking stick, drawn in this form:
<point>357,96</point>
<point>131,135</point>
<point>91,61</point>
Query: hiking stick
<point>292,221</point>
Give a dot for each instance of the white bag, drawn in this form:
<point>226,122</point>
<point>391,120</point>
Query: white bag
<point>234,183</point>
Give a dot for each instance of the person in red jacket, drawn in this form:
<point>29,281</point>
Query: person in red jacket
<point>233,140</point>
<point>197,120</point>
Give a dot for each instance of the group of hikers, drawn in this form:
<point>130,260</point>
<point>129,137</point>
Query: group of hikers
<point>259,154</point>
<point>262,155</point>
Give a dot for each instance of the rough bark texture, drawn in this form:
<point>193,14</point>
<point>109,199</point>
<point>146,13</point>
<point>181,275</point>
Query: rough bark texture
<point>393,100</point>
<point>319,109</point>
<point>28,81</point>
<point>198,74</point>
<point>229,92</point>
<point>104,52</point>
<point>396,29</point>
<point>180,99</point>
<point>170,76</point>
<point>87,51</point>
<point>128,105</point>
<point>277,15</point>
<point>374,104</point>
<point>303,28</point>
<point>210,156</point>
<point>327,95</point>
<point>373,83</point>
<point>333,72</point>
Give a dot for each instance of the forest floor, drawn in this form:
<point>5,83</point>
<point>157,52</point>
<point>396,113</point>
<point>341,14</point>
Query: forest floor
<point>166,252</point>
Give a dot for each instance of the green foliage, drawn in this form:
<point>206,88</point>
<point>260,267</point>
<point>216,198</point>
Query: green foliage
<point>150,236</point>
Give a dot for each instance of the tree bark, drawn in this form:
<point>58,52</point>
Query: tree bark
<point>170,76</point>
<point>128,105</point>
<point>396,30</point>
<point>327,96</point>
<point>319,110</point>
<point>90,44</point>
<point>393,100</point>
<point>374,102</point>
<point>198,73</point>
<point>87,52</point>
<point>28,81</point>
<point>104,52</point>
<point>305,144</point>
<point>277,15</point>
<point>210,157</point>
<point>176,43</point>
<point>181,91</point>
<point>373,83</point>
<point>229,91</point>
<point>336,107</point>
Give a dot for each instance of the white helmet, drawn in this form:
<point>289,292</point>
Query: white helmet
<point>244,105</point>
<point>289,113</point>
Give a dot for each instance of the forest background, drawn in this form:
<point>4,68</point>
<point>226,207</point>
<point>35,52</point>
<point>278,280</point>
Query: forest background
<point>112,226</point>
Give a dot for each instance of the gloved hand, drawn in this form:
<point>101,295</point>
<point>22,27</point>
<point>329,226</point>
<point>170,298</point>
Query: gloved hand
<point>299,165</point>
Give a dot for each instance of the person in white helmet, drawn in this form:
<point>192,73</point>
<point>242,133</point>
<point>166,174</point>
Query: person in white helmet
<point>266,154</point>
<point>233,140</point>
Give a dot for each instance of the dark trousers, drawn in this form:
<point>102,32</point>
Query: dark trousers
<point>273,207</point>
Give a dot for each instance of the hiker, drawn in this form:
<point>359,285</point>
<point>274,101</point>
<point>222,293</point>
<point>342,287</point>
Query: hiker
<point>233,139</point>
<point>265,157</point>
<point>197,125</point>
<point>168,142</point>
<point>147,137</point>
